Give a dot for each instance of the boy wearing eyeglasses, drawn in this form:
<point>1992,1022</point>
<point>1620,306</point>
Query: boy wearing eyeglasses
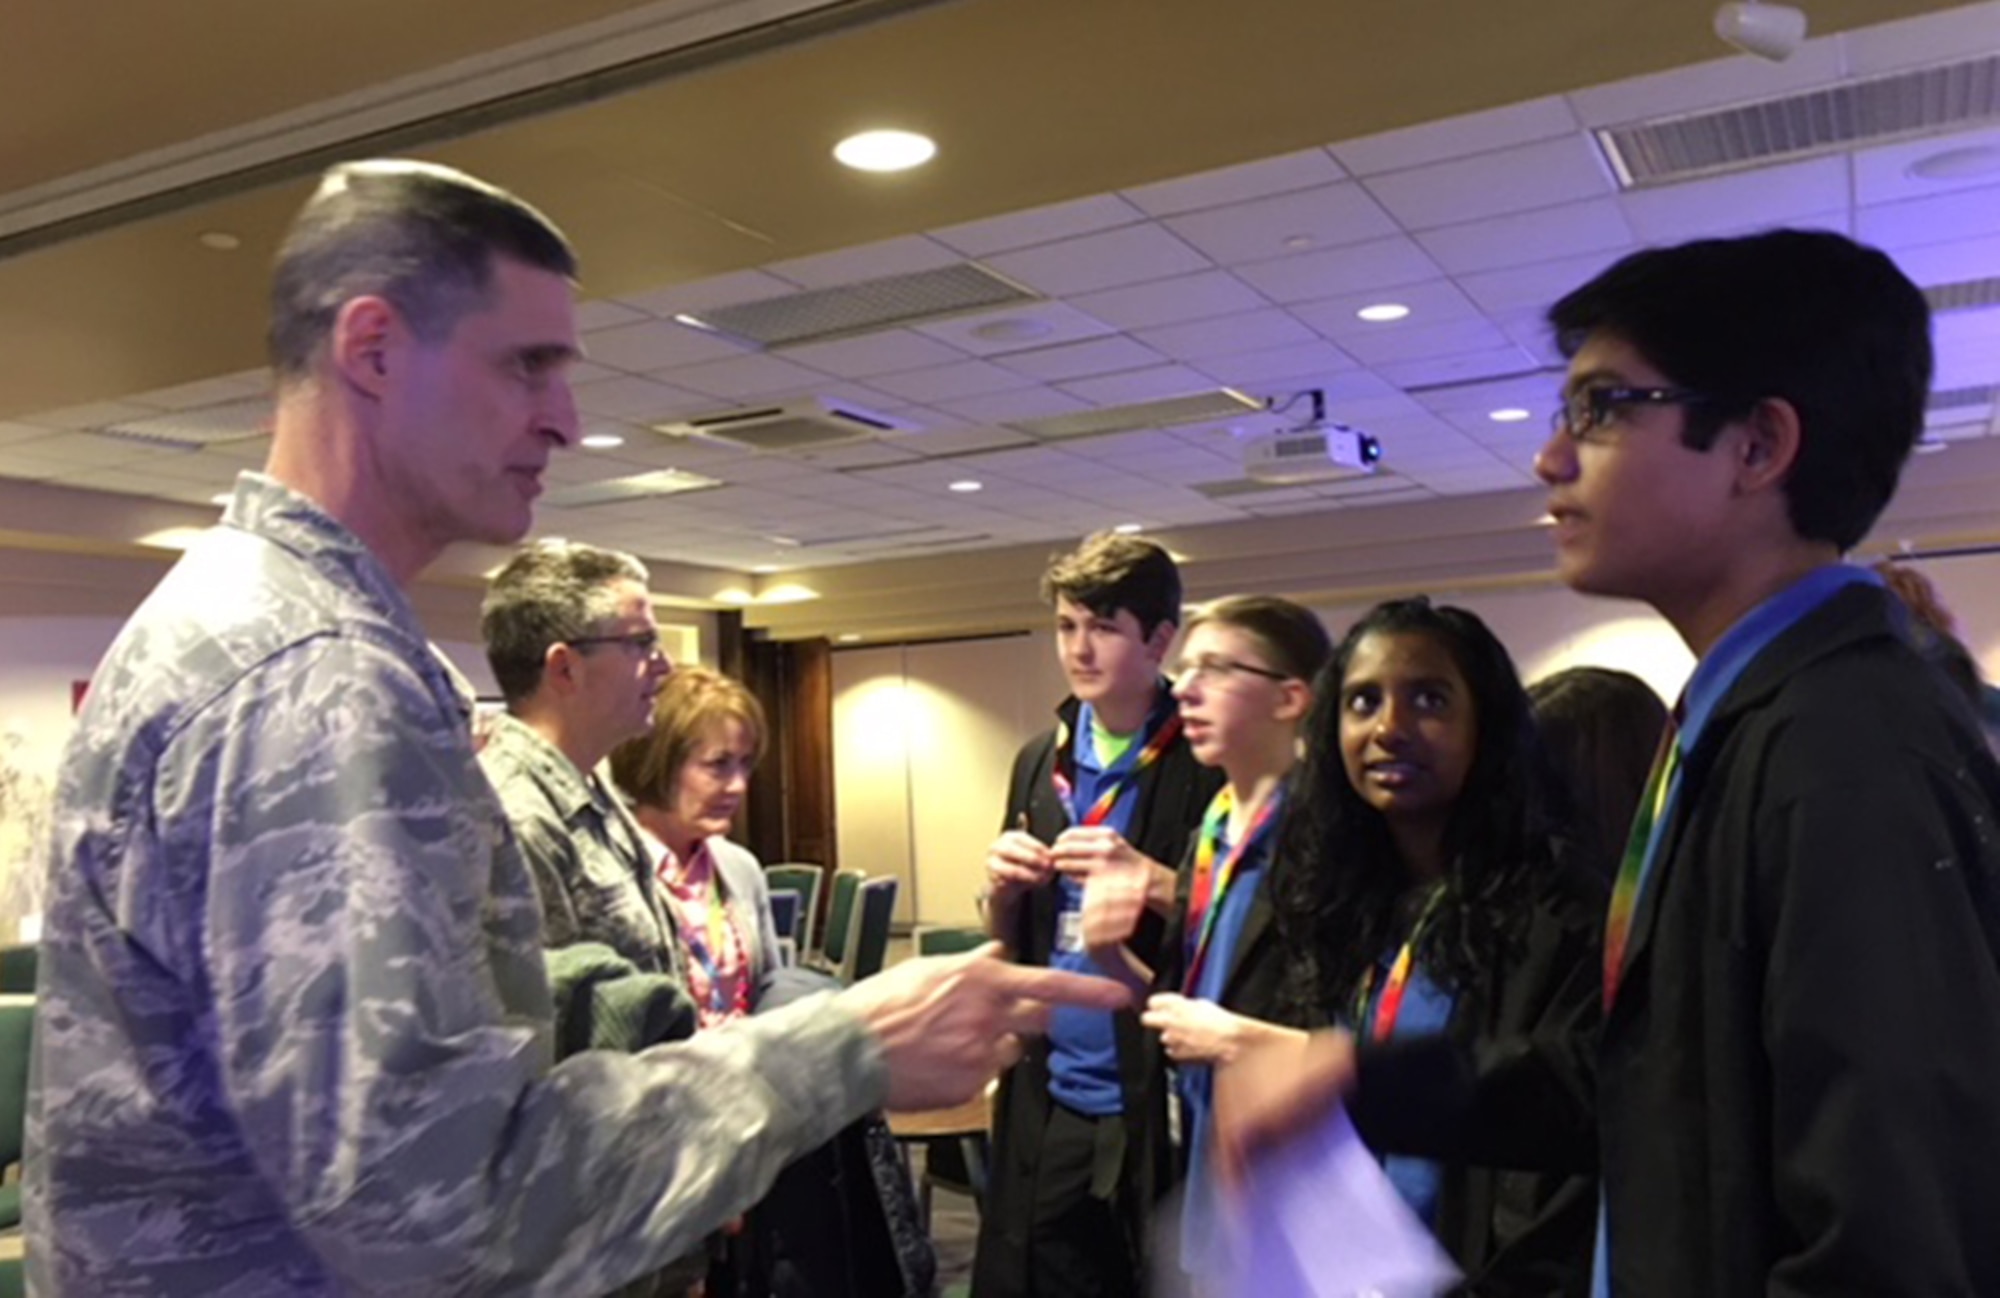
<point>1080,1134</point>
<point>1800,1083</point>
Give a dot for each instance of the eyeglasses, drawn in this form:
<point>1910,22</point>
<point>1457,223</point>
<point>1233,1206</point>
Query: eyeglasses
<point>1209,669</point>
<point>645,644</point>
<point>1587,410</point>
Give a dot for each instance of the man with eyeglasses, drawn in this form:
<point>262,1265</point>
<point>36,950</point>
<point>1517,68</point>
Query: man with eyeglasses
<point>1799,1080</point>
<point>572,642</point>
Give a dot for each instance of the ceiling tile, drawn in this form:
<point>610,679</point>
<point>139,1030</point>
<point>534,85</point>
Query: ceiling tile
<point>607,313</point>
<point>640,400</point>
<point>1738,79</point>
<point>1966,214</point>
<point>655,345</point>
<point>1228,335</point>
<point>1139,385</point>
<point>1430,303</point>
<point>1039,225</point>
<point>1329,216</point>
<point>1527,237</point>
<point>1749,200</point>
<point>1950,263</point>
<point>1517,179</point>
<point>1096,261</point>
<point>945,382</point>
<point>960,441</point>
<point>1883,175</point>
<point>1304,362</point>
<point>1018,328</point>
<point>1457,137</point>
<point>743,378</point>
<point>1536,287</point>
<point>1170,301</point>
<point>1379,263</point>
<point>1018,403</point>
<point>99,414</point>
<point>889,352</point>
<point>695,296</point>
<point>1460,367</point>
<point>223,390</point>
<point>1224,185</point>
<point>901,256</point>
<point>1446,338</point>
<point>1081,360</point>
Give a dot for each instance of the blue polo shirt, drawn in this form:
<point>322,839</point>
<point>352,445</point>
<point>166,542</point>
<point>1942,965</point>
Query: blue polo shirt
<point>1719,669</point>
<point>1083,1044</point>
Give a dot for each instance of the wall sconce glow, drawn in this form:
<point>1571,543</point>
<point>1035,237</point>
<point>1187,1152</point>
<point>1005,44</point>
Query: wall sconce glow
<point>964,485</point>
<point>173,538</point>
<point>1383,312</point>
<point>1546,520</point>
<point>222,498</point>
<point>735,595</point>
<point>1510,415</point>
<point>848,637</point>
<point>765,569</point>
<point>600,441</point>
<point>219,240</point>
<point>789,593</point>
<point>1127,529</point>
<point>885,150</point>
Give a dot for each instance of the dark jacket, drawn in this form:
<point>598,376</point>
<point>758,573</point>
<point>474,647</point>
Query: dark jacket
<point>1171,795</point>
<point>1800,1079</point>
<point>1506,1100</point>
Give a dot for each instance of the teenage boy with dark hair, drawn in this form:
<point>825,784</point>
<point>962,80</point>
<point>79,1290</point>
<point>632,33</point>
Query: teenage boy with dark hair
<point>1080,1136</point>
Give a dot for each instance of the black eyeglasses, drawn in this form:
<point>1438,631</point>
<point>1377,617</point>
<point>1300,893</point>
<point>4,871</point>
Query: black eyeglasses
<point>1586,410</point>
<point>1209,668</point>
<point>643,643</point>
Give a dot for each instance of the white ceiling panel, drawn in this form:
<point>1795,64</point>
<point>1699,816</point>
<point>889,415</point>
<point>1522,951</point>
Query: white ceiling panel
<point>1430,303</point>
<point>1446,338</point>
<point>696,296</point>
<point>1084,359</point>
<point>1524,238</point>
<point>1139,385</point>
<point>744,378</point>
<point>1252,371</point>
<point>1517,179</point>
<point>1229,335</point>
<point>1947,218</point>
<point>222,390</point>
<point>1749,200</point>
<point>1305,276</point>
<point>1525,288</point>
<point>1017,328</point>
<point>1225,185</point>
<point>1016,403</point>
<point>1950,263</point>
<point>640,400</point>
<point>97,414</point>
<point>1038,225</point>
<point>901,256</point>
<point>890,351</point>
<point>607,313</point>
<point>959,441</point>
<point>1326,217</point>
<point>1457,137</point>
<point>945,382</point>
<point>1170,301</point>
<point>655,345</point>
<point>1460,367</point>
<point>1883,175</point>
<point>1098,261</point>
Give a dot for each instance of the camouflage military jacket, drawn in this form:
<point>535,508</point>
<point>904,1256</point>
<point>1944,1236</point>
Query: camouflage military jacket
<point>294,1023</point>
<point>582,847</point>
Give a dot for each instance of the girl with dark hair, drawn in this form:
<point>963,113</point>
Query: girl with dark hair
<point>1601,728</point>
<point>1424,904</point>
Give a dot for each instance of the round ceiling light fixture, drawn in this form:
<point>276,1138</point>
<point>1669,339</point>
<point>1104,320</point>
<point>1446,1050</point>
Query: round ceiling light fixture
<point>1383,312</point>
<point>885,150</point>
<point>1967,163</point>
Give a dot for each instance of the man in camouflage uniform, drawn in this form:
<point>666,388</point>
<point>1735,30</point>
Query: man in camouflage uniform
<point>294,1025</point>
<point>571,639</point>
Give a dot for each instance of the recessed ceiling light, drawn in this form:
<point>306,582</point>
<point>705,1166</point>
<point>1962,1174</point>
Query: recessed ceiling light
<point>1546,520</point>
<point>848,637</point>
<point>885,150</point>
<point>1126,529</point>
<point>966,484</point>
<point>1957,164</point>
<point>219,241</point>
<point>601,441</point>
<point>1299,242</point>
<point>1383,312</point>
<point>173,538</point>
<point>693,322</point>
<point>1509,415</point>
<point>764,569</point>
<point>1931,446</point>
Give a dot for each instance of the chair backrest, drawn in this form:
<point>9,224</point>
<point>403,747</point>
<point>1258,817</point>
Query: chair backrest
<point>785,912</point>
<point>805,879</point>
<point>946,939</point>
<point>840,918</point>
<point>17,1024</point>
<point>17,970</point>
<point>871,944</point>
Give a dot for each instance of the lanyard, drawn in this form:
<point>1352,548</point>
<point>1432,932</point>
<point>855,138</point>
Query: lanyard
<point>721,938</point>
<point>1165,731</point>
<point>1211,881</point>
<point>1390,1004</point>
<point>1632,869</point>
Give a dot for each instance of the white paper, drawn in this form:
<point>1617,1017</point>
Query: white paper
<point>1317,1217</point>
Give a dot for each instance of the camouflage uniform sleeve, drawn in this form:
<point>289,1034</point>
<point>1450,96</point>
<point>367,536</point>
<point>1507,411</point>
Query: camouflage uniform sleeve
<point>381,1023</point>
<point>545,843</point>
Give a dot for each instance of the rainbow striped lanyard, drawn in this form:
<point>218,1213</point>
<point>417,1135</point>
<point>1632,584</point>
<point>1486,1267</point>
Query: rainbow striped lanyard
<point>1390,1004</point>
<point>1166,729</point>
<point>1632,868</point>
<point>1211,881</point>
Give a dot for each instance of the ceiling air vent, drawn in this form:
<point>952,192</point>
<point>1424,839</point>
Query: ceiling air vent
<point>1965,295</point>
<point>1222,403</point>
<point>639,486</point>
<point>807,424</point>
<point>189,430</point>
<point>892,301</point>
<point>1926,101</point>
<point>1961,398</point>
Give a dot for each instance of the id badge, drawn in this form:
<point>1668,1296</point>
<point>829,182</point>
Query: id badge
<point>1069,931</point>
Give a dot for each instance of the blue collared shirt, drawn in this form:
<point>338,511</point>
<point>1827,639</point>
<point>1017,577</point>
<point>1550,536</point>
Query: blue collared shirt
<point>1713,676</point>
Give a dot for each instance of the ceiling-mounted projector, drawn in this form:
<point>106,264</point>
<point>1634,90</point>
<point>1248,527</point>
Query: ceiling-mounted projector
<point>1311,454</point>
